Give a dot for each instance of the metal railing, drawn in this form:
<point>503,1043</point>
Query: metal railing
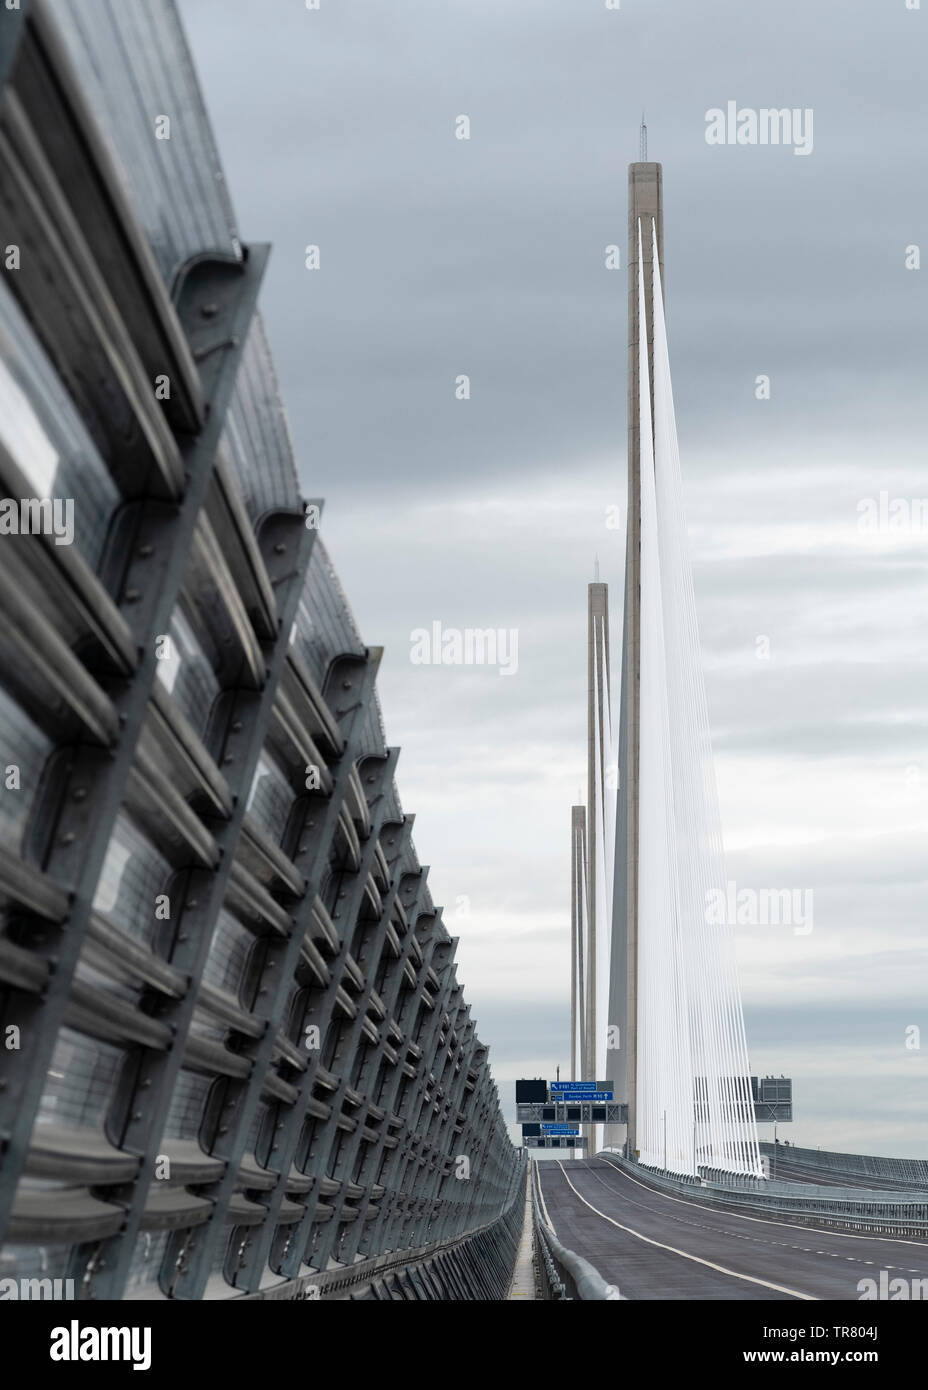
<point>870,1170</point>
<point>797,1203</point>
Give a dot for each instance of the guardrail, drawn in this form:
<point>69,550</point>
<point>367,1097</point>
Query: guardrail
<point>798,1204</point>
<point>561,1273</point>
<point>890,1174</point>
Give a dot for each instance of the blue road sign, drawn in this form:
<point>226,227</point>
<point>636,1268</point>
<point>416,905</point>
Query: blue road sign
<point>574,1097</point>
<point>560,1129</point>
<point>575,1086</point>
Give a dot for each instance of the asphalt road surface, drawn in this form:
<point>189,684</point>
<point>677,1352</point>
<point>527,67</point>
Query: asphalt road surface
<point>655,1246</point>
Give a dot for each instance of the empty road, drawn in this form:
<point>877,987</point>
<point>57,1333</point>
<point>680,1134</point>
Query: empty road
<point>653,1245</point>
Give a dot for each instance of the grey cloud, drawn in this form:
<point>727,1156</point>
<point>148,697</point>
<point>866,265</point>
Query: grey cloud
<point>486,257</point>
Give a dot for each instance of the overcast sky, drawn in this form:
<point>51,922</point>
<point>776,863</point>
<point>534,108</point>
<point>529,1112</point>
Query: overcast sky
<point>486,257</point>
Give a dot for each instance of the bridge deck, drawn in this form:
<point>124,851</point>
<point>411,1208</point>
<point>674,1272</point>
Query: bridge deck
<point>654,1246</point>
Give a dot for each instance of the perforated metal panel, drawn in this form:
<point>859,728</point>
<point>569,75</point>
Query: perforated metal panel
<point>133,66</point>
<point>249,1058</point>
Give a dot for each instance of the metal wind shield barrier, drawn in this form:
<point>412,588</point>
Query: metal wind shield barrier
<point>234,1053</point>
<point>694,1106</point>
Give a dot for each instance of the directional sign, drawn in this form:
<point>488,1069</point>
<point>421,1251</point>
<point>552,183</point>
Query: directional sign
<point>575,1087</point>
<point>574,1096</point>
<point>560,1129</point>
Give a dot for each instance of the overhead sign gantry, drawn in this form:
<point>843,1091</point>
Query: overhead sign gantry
<point>568,1103</point>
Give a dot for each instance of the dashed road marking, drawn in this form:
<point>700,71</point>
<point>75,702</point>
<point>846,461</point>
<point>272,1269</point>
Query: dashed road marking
<point>734,1235</point>
<point>685,1254</point>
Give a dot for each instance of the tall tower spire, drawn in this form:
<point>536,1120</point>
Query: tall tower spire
<point>680,1045</point>
<point>578,878</point>
<point>599,754</point>
<point>645,206</point>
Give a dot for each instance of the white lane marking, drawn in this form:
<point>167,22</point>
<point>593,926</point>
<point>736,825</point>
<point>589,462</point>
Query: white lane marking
<point>748,1278</point>
<point>732,1235</point>
<point>762,1220</point>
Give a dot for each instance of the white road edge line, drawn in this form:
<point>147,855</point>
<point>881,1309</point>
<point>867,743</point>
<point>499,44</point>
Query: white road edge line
<point>748,1278</point>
